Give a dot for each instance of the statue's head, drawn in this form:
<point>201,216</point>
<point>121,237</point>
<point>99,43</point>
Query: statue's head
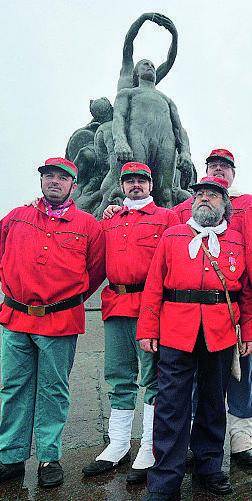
<point>145,70</point>
<point>101,109</point>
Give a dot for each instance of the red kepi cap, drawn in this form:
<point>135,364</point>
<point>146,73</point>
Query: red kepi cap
<point>218,183</point>
<point>61,163</point>
<point>134,168</point>
<point>221,154</point>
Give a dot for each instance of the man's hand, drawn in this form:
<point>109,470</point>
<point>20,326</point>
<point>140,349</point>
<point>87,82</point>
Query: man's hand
<point>34,203</point>
<point>110,211</point>
<point>246,349</point>
<point>150,345</point>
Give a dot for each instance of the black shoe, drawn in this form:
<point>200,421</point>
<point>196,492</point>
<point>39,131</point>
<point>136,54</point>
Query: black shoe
<point>243,458</point>
<point>217,483</point>
<point>51,475</point>
<point>135,475</point>
<point>11,470</point>
<point>158,496</point>
<point>99,467</point>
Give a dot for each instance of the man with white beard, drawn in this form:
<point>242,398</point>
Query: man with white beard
<point>184,309</point>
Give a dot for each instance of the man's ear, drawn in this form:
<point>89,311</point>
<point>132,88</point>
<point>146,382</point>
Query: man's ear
<point>74,187</point>
<point>151,186</point>
<point>121,186</point>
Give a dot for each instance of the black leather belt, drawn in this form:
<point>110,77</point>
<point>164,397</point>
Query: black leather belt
<point>43,309</point>
<point>198,296</point>
<point>125,289</point>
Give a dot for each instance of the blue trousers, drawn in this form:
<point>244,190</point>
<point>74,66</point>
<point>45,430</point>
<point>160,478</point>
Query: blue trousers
<point>172,420</point>
<point>35,394</point>
<point>239,395</point>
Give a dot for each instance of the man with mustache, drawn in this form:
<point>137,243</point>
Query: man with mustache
<point>184,309</point>
<point>220,163</point>
<point>131,237</point>
<point>52,258</point>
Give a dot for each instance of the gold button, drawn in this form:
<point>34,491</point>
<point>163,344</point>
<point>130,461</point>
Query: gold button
<point>206,268</point>
<point>45,247</point>
<point>126,224</point>
<point>48,234</point>
<point>155,236</point>
<point>52,218</point>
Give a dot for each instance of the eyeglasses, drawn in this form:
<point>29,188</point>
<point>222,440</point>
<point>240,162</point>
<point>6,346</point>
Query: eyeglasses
<point>220,163</point>
<point>208,193</point>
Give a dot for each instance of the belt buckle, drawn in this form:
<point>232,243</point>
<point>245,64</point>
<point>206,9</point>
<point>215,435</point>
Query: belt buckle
<point>121,289</point>
<point>36,311</point>
<point>217,293</point>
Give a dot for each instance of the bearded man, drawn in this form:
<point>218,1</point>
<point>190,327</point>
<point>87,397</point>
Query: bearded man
<point>184,306</point>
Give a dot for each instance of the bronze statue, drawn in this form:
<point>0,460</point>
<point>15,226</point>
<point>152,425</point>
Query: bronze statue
<point>145,126</point>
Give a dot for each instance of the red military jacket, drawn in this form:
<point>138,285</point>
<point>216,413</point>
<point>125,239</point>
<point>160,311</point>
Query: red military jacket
<point>131,240</point>
<point>239,204</point>
<point>177,324</point>
<point>248,240</point>
<point>45,260</point>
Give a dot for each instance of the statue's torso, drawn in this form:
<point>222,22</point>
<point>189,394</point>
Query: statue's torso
<point>149,115</point>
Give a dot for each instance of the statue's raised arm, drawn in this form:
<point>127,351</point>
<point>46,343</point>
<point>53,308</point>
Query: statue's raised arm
<point>165,67</point>
<point>126,73</point>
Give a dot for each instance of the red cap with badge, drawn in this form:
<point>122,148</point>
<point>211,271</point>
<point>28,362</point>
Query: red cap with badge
<point>61,163</point>
<point>221,154</point>
<point>135,168</point>
<point>218,183</point>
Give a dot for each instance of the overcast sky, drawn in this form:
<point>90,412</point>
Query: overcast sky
<point>58,54</point>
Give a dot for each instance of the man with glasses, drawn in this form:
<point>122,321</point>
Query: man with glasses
<point>184,310</point>
<point>220,163</point>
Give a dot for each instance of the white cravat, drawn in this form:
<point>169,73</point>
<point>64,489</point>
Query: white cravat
<point>137,204</point>
<point>206,231</point>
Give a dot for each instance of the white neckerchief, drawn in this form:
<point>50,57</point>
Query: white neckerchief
<point>137,204</point>
<point>206,231</point>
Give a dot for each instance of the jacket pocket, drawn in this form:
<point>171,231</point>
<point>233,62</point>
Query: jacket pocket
<point>73,241</point>
<point>149,235</point>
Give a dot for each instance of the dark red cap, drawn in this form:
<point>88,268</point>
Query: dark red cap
<point>134,168</point>
<point>61,163</point>
<point>221,154</point>
<point>218,183</point>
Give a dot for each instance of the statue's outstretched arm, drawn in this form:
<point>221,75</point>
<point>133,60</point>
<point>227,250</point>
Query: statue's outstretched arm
<point>126,73</point>
<point>165,67</point>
